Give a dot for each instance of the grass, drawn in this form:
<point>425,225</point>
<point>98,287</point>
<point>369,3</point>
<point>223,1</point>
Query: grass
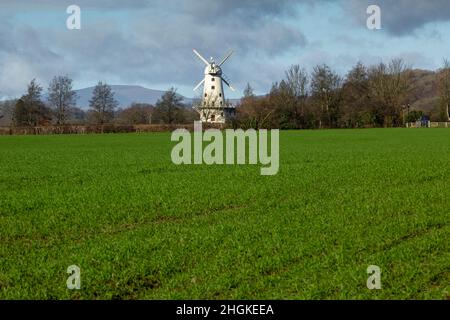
<point>141,227</point>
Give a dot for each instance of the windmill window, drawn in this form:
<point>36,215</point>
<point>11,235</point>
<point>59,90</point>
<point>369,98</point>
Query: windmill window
<point>206,94</point>
<point>220,102</point>
<point>220,94</point>
<point>213,87</point>
<point>213,79</point>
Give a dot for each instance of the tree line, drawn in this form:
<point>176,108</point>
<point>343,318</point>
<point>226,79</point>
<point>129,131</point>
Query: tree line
<point>367,96</point>
<point>59,107</point>
<point>374,96</point>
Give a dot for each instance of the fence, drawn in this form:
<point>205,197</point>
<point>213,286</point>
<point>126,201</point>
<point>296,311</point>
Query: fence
<point>142,128</point>
<point>428,124</point>
<point>86,129</point>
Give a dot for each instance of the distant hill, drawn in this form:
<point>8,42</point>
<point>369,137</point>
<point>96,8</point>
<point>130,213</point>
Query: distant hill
<point>125,95</point>
<point>423,96</point>
<point>425,93</point>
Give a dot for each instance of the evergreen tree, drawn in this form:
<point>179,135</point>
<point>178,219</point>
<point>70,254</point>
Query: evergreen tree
<point>29,109</point>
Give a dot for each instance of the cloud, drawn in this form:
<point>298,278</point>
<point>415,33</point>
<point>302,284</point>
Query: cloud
<point>150,42</point>
<point>23,56</point>
<point>16,73</point>
<point>14,6</point>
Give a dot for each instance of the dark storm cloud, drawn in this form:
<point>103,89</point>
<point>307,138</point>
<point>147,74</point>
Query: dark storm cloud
<point>249,9</point>
<point>153,46</point>
<point>15,5</point>
<point>402,17</point>
<point>207,9</point>
<point>150,41</point>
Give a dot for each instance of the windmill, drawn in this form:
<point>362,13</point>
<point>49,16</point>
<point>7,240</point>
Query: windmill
<point>213,108</point>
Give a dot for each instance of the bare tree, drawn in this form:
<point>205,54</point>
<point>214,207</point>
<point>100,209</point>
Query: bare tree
<point>388,89</point>
<point>103,103</point>
<point>168,108</point>
<point>248,92</point>
<point>297,81</point>
<point>6,111</point>
<point>325,89</point>
<point>355,97</point>
<point>444,90</point>
<point>400,86</point>
<point>61,97</point>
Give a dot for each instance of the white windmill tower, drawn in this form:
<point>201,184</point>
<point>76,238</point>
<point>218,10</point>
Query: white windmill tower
<point>213,108</point>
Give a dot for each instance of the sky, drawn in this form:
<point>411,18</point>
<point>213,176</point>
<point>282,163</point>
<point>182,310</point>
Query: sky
<point>150,42</point>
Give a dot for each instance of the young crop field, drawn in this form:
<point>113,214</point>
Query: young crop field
<point>141,227</point>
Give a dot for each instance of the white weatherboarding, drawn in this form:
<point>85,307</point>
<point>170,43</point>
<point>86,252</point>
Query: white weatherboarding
<point>213,107</point>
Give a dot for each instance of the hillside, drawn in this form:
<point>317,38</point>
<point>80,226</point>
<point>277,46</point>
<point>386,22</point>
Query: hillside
<point>125,95</point>
<point>425,93</point>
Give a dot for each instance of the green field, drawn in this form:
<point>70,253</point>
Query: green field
<point>141,227</point>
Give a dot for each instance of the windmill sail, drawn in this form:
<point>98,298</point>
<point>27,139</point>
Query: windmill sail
<point>201,57</point>
<point>199,84</point>
<point>226,58</point>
